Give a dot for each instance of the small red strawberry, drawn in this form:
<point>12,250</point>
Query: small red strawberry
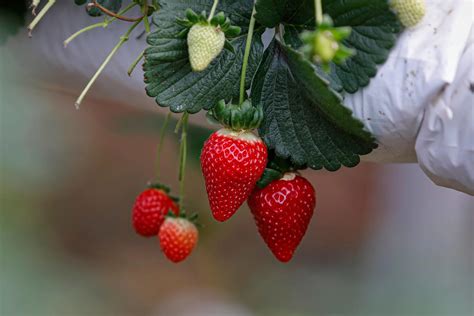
<point>150,209</point>
<point>178,237</point>
<point>232,159</point>
<point>282,211</point>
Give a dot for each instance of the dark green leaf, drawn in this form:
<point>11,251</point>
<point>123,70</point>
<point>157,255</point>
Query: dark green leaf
<point>297,12</point>
<point>168,74</point>
<point>374,31</point>
<point>303,118</point>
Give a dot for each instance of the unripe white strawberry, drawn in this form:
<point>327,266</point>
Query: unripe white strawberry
<point>410,12</point>
<point>205,42</point>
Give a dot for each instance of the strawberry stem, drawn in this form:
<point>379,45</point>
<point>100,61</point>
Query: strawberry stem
<point>123,39</point>
<point>34,5</point>
<point>164,127</point>
<point>103,24</point>
<point>318,12</point>
<point>115,15</point>
<point>182,160</point>
<point>40,15</point>
<point>135,63</point>
<point>213,10</point>
<point>248,44</point>
<point>145,16</point>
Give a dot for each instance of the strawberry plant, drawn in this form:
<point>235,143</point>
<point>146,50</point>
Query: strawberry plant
<point>291,90</point>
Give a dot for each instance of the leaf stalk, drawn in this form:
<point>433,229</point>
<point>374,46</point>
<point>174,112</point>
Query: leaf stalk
<point>248,45</point>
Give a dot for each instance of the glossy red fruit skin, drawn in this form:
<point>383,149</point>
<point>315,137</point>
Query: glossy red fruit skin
<point>282,211</point>
<point>232,163</point>
<point>178,237</point>
<point>149,211</point>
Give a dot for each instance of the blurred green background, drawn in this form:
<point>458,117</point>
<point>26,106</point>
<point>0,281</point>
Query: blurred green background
<point>68,180</point>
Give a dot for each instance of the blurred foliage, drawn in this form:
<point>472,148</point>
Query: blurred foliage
<point>12,18</point>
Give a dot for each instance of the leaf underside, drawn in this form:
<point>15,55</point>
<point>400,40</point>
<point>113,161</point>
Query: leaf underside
<point>374,31</point>
<point>304,120</point>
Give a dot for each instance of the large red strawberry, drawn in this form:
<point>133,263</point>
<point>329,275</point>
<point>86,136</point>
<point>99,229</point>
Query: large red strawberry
<point>282,211</point>
<point>150,209</point>
<point>232,162</point>
<point>233,159</point>
<point>178,237</point>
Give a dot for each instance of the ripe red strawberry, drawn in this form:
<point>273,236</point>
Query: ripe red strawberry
<point>232,162</point>
<point>150,209</point>
<point>177,236</point>
<point>282,211</point>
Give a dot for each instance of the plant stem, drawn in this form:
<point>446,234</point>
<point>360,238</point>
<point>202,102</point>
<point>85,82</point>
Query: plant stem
<point>115,15</point>
<point>182,160</point>
<point>248,44</point>
<point>34,5</point>
<point>145,17</point>
<point>135,63</point>
<point>318,12</point>
<point>40,15</point>
<point>213,10</point>
<point>103,24</point>
<point>160,145</point>
<point>123,39</point>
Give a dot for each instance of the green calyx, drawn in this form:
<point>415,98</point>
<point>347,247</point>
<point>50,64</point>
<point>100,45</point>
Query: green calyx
<point>276,169</point>
<point>324,44</point>
<point>241,117</point>
<point>193,218</point>
<point>219,20</point>
<point>159,186</point>
<point>164,188</point>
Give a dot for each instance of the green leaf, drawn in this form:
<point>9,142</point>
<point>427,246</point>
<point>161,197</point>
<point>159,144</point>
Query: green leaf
<point>272,12</point>
<point>374,31</point>
<point>303,119</point>
<point>168,74</point>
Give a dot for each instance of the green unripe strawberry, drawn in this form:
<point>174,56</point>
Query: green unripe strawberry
<point>410,12</point>
<point>325,47</point>
<point>206,38</point>
<point>205,42</point>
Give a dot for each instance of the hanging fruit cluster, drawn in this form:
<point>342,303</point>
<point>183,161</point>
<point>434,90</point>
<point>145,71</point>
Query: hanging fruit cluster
<point>210,61</point>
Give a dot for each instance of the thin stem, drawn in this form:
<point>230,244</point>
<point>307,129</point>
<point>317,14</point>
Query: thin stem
<point>318,12</point>
<point>182,160</point>
<point>160,145</point>
<point>179,124</point>
<point>40,15</point>
<point>113,14</point>
<point>248,44</point>
<point>123,39</point>
<point>103,24</point>
<point>145,17</point>
<point>83,30</point>
<point>213,10</point>
<point>135,63</point>
<point>34,5</point>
